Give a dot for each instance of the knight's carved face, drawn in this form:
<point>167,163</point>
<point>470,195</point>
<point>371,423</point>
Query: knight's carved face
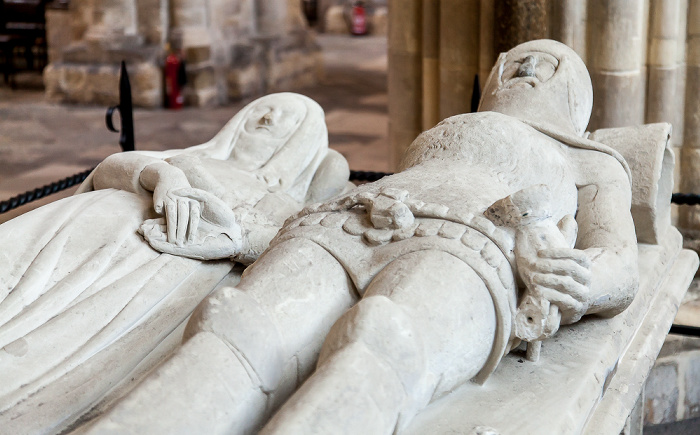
<point>541,81</point>
<point>276,118</point>
<point>528,70</point>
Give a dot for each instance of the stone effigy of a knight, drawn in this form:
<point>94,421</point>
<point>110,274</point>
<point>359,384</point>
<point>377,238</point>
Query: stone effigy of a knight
<point>390,296</point>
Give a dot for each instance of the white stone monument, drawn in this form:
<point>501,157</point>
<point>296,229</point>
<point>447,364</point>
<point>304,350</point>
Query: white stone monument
<point>394,308</point>
<point>397,307</point>
<point>87,307</point>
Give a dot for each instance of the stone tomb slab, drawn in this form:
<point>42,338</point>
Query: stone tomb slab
<point>589,375</point>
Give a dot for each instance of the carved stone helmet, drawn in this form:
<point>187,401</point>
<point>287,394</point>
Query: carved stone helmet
<point>541,81</point>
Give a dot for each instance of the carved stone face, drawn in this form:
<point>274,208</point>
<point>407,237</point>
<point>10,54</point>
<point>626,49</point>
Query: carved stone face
<point>528,70</point>
<point>276,118</point>
<point>266,128</point>
<point>541,81</point>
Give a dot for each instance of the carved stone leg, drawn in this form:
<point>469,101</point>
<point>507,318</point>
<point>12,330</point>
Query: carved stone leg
<point>247,348</point>
<point>391,354</point>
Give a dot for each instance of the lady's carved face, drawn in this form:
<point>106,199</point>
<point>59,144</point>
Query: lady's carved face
<point>276,118</point>
<point>267,126</point>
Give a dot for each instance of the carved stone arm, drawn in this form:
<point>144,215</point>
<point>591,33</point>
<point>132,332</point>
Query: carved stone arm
<point>606,234</point>
<point>122,171</point>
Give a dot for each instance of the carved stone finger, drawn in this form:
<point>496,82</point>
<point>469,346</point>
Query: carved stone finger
<point>171,219</point>
<point>570,308</point>
<point>562,284</point>
<point>565,253</point>
<point>566,267</point>
<point>195,213</point>
<point>183,217</point>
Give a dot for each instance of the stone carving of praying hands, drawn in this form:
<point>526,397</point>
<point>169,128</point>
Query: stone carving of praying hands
<point>196,223</point>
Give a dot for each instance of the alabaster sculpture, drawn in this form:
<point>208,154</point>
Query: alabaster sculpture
<point>94,289</point>
<point>368,307</point>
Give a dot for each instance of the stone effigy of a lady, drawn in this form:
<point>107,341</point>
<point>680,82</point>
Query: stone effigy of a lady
<point>391,296</point>
<point>87,304</point>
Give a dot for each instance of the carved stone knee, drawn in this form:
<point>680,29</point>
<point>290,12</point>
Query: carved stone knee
<point>387,331</point>
<point>240,322</point>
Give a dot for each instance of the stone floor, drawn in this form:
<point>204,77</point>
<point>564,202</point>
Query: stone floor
<point>42,142</point>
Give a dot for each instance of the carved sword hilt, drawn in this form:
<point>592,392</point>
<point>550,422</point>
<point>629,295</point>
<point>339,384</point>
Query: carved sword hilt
<point>536,320</point>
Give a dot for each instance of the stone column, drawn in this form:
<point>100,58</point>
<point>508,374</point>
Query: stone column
<point>487,53</point>
<point>678,117</point>
<point>519,21</point>
<point>663,97</point>
<point>679,106</point>
<point>271,17</point>
<point>459,54</point>
<point>615,59</point>
<point>191,32</point>
<point>663,63</point>
<point>431,65</point>
<point>404,76</point>
<point>153,21</point>
<point>690,156</point>
<point>58,34</point>
<point>568,20</point>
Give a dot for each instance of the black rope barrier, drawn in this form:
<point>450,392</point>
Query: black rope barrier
<point>685,199</point>
<point>40,192</point>
<point>368,176</point>
<point>690,331</point>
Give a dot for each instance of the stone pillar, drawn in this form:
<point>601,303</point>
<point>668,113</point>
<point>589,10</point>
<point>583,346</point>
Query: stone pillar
<point>519,21</point>
<point>404,75</point>
<point>153,21</point>
<point>678,117</point>
<point>690,156</point>
<point>431,65</point>
<point>459,54</point>
<point>663,96</point>
<point>679,106</point>
<point>271,17</point>
<point>487,53</point>
<point>662,61</point>
<point>58,21</point>
<point>192,34</point>
<point>568,24</point>
<point>615,59</point>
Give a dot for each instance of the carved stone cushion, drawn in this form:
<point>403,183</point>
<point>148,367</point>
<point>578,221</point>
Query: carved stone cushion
<point>646,149</point>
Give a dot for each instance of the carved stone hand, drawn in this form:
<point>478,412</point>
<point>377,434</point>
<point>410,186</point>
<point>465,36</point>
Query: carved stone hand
<point>197,225</point>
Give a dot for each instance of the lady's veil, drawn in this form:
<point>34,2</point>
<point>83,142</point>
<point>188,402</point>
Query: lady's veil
<point>294,164</point>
